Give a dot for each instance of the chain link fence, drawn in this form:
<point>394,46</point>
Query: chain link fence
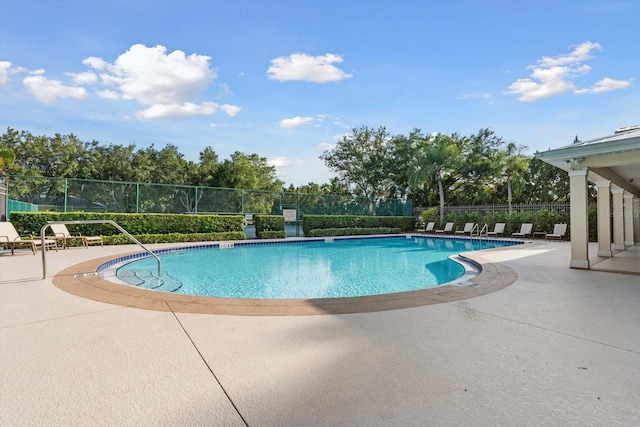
<point>33,194</point>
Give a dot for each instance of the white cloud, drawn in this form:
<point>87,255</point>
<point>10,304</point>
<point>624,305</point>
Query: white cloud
<point>554,75</point>
<point>150,76</point>
<point>6,69</point>
<point>581,53</point>
<point>300,66</point>
<point>607,84</point>
<point>5,66</point>
<point>166,83</point>
<point>230,110</point>
<point>187,109</point>
<point>47,91</point>
<point>295,122</point>
<point>108,94</point>
<point>284,162</point>
<point>544,82</point>
<point>96,63</point>
<point>226,91</point>
<point>85,78</point>
<point>279,162</point>
<point>484,96</point>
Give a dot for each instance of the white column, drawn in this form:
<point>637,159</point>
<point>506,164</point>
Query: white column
<point>636,220</point>
<point>604,218</point>
<point>618,219</point>
<point>579,219</point>
<point>628,219</point>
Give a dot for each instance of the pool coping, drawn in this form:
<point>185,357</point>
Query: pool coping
<point>83,280</point>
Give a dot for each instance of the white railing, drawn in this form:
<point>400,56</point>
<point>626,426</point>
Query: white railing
<point>91,221</point>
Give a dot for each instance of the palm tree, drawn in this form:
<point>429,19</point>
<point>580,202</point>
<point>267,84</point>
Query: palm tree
<point>514,164</point>
<point>436,159</point>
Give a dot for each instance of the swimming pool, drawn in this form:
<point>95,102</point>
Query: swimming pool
<point>312,268</point>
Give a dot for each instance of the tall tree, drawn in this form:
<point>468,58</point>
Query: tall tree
<point>437,158</point>
<point>402,156</point>
<point>544,183</point>
<point>361,159</point>
<point>479,170</point>
<point>513,164</point>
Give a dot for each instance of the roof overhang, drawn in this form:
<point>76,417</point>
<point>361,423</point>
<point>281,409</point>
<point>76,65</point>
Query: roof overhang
<point>615,158</point>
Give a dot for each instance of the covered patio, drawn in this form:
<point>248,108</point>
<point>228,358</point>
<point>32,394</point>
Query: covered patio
<point>613,164</point>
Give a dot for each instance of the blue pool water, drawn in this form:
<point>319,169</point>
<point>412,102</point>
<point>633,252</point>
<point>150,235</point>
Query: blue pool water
<point>310,269</point>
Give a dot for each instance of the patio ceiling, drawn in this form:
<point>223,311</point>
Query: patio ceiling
<point>615,158</point>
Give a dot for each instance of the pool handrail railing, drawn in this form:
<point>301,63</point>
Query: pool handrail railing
<point>93,221</point>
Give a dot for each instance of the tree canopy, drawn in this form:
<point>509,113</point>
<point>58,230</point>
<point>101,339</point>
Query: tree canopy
<point>431,169</point>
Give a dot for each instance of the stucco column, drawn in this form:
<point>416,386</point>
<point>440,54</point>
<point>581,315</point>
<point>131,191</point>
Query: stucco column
<point>618,219</point>
<point>579,219</point>
<point>604,218</point>
<point>628,219</point>
<point>636,220</point>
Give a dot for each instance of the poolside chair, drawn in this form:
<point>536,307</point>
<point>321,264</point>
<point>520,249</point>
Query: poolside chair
<point>498,230</point>
<point>468,229</point>
<point>429,229</point>
<point>10,238</point>
<point>559,232</point>
<point>62,233</point>
<point>525,230</point>
<point>448,229</point>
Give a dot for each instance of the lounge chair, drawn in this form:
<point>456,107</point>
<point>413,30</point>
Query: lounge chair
<point>559,232</point>
<point>498,230</point>
<point>525,230</point>
<point>468,229</point>
<point>430,228</point>
<point>448,229</point>
<point>62,233</point>
<point>10,238</point>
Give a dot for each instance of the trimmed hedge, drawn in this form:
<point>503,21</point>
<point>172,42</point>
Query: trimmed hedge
<point>269,226</point>
<point>121,239</point>
<point>271,235</point>
<point>147,228</point>
<point>325,232</point>
<point>318,222</point>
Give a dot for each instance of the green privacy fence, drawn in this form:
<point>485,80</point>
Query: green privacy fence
<point>28,193</point>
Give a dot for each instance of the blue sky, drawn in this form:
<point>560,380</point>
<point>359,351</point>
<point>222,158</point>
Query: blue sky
<point>286,79</point>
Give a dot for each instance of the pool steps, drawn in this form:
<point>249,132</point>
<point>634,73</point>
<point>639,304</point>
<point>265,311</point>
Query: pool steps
<point>146,279</point>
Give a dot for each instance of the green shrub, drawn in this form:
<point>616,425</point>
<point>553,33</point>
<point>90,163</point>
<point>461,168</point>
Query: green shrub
<point>271,235</point>
<point>269,226</point>
<point>121,239</point>
<point>32,222</point>
<point>431,215</point>
<point>316,222</point>
<point>325,232</point>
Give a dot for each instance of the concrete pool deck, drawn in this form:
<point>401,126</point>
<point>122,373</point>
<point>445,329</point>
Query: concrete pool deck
<point>557,347</point>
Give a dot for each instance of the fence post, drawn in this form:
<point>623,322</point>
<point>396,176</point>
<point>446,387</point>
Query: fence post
<point>195,203</point>
<point>137,197</point>
<point>65,197</point>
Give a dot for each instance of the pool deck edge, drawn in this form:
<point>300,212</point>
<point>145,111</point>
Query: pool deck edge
<point>81,280</point>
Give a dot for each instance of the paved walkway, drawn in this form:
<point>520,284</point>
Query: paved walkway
<point>557,347</point>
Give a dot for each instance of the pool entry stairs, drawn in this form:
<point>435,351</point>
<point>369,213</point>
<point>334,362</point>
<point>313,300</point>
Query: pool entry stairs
<point>146,279</point>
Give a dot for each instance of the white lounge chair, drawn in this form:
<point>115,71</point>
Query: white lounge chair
<point>62,233</point>
<point>430,227</point>
<point>525,230</point>
<point>468,228</point>
<point>10,238</point>
<point>448,229</point>
<point>498,230</point>
<point>559,232</point>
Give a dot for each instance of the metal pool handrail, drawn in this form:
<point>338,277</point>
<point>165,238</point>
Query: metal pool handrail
<point>91,221</point>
